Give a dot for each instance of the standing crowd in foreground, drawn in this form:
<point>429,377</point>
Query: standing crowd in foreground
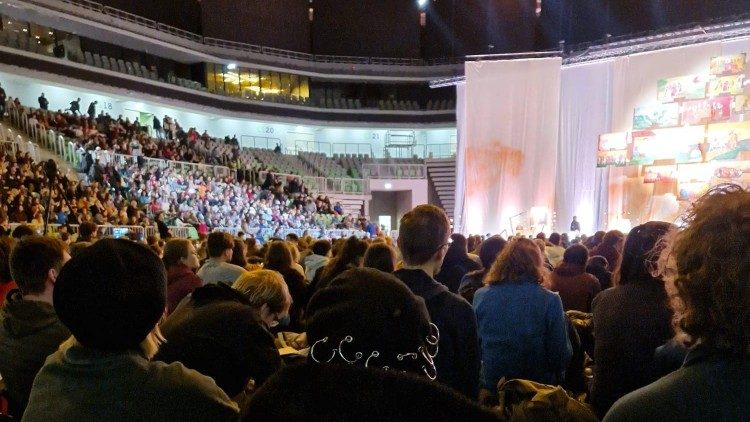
<point>652,325</point>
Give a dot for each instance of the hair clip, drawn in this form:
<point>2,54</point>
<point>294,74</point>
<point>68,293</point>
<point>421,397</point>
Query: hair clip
<point>312,351</point>
<point>374,354</point>
<point>401,356</point>
<point>357,356</point>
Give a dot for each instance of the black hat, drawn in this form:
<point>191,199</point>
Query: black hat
<point>371,318</point>
<point>112,294</point>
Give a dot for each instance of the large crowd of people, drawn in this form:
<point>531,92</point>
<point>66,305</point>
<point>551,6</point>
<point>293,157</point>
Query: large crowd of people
<point>136,191</point>
<point>369,329</point>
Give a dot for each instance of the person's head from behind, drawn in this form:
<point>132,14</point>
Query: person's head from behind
<point>278,256</point>
<point>220,246</point>
<point>239,253</point>
<point>641,252</point>
<point>713,262</point>
<point>22,231</point>
<point>423,237</point>
<point>520,259</point>
<point>554,239</point>
<point>597,264</point>
<point>321,247</point>
<point>380,257</point>
<point>180,252</point>
<point>35,265</point>
<point>87,231</point>
<point>576,255</point>
<point>291,237</point>
<point>490,249</point>
<point>267,293</point>
<point>367,317</point>
<point>613,239</point>
<point>112,295</point>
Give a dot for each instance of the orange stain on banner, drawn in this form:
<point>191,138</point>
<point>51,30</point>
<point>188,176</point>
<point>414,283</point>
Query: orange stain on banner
<point>494,161</point>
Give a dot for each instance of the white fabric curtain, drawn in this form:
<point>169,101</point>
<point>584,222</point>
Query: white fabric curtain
<point>509,148</point>
<point>585,113</point>
<point>458,204</point>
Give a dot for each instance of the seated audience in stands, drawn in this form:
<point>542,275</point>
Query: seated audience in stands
<point>381,257</point>
<point>181,260</point>
<point>319,257</point>
<point>576,287</point>
<point>488,251</point>
<point>30,328</point>
<point>597,266</point>
<point>712,257</point>
<point>217,268</point>
<point>111,297</point>
<point>219,334</point>
<point>423,240</point>
<point>456,264</point>
<point>630,320</point>
<point>522,326</point>
<point>366,321</point>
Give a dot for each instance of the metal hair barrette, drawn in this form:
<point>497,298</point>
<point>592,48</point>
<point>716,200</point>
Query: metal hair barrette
<point>427,353</point>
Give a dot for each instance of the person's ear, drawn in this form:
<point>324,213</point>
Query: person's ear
<point>52,275</point>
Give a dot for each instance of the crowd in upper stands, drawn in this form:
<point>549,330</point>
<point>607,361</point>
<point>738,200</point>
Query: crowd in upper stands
<point>135,192</point>
<point>652,325</point>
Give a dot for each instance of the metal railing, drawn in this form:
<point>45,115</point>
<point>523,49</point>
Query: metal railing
<point>260,142</point>
<point>394,171</point>
<point>183,232</point>
<point>239,46</point>
<point>439,150</point>
<point>351,148</point>
<point>327,185</point>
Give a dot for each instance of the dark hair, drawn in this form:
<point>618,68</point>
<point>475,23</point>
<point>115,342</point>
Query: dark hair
<point>351,251</point>
<point>6,245</point>
<point>576,255</point>
<point>641,251</point>
<point>421,233</point>
<point>554,239</point>
<point>86,231</point>
<point>612,238</point>
<point>457,250</point>
<point>22,231</point>
<point>293,237</point>
<point>174,250</point>
<point>381,257</point>
<point>32,258</point>
<point>713,263</point>
<point>218,242</point>
<point>278,256</point>
<point>238,253</point>
<point>490,249</point>
<point>321,247</point>
<point>597,261</point>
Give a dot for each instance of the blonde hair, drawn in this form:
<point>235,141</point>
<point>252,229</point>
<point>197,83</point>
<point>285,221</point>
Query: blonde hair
<point>264,287</point>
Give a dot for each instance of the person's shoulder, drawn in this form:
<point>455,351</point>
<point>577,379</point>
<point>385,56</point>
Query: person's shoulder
<point>185,386</point>
<point>658,400</point>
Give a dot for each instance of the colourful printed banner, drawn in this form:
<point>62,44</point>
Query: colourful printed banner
<point>705,111</point>
<point>613,149</point>
<point>691,87</point>
<point>728,65</point>
<point>656,116</point>
<point>682,144</point>
<point>728,141</point>
<point>731,85</point>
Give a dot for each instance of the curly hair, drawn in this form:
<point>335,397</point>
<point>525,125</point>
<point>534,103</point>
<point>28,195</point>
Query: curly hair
<point>713,270</point>
<point>520,257</point>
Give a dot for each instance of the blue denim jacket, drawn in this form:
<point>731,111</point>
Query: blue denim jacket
<point>522,331</point>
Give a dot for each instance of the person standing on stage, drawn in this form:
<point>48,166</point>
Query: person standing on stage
<point>575,226</point>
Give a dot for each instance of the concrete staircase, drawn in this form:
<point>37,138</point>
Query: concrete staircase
<point>442,176</point>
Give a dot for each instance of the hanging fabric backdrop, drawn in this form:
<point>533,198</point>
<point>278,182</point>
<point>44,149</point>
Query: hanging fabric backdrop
<point>508,144</point>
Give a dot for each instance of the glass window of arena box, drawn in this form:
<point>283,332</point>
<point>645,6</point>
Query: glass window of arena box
<point>255,84</point>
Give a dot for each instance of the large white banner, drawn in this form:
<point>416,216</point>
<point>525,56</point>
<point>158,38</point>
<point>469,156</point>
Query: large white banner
<point>509,146</point>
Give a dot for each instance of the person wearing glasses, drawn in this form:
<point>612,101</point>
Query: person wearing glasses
<point>423,240</point>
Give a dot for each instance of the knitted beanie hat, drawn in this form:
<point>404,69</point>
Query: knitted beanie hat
<point>370,318</point>
<point>111,295</point>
